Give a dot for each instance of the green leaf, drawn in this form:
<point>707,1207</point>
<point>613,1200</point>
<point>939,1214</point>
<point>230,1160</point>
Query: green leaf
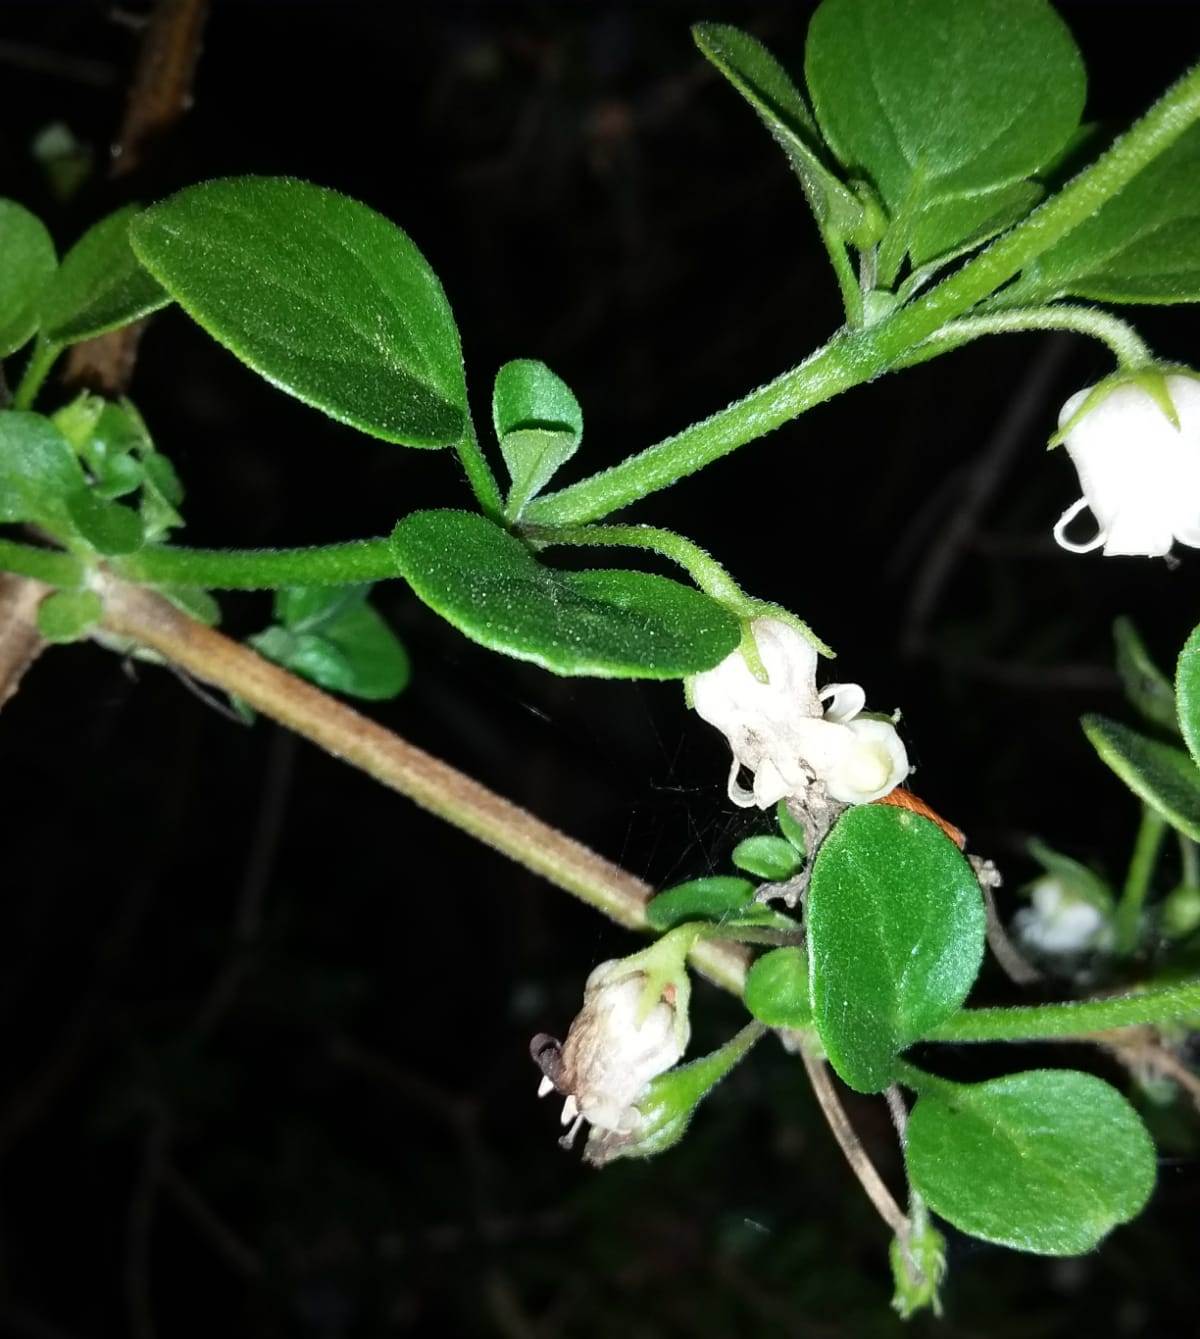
<point>776,990</point>
<point>614,624</point>
<point>539,426</point>
<point>195,601</point>
<point>100,285</point>
<point>711,899</point>
<point>1187,693</point>
<point>1146,686</point>
<point>1163,776</point>
<point>25,269</point>
<point>895,938</point>
<point>937,101</point>
<point>332,637</point>
<point>68,615</point>
<point>1048,1161</point>
<point>324,297</point>
<point>1141,245</point>
<point>781,107</point>
<point>37,469</point>
<point>767,857</point>
<point>952,224</point>
<point>108,527</point>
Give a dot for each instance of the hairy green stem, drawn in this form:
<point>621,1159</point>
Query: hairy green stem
<point>49,565</point>
<point>37,369</point>
<point>261,569</point>
<point>1142,864</point>
<point>856,356</point>
<point>1126,344</point>
<point>480,477</point>
<point>705,571</point>
<point>1077,1018</point>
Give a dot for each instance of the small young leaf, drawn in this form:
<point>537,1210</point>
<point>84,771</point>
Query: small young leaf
<point>613,624</point>
<point>100,285</point>
<point>895,938</point>
<point>1048,1161</point>
<point>324,297</point>
<point>108,527</point>
<point>776,990</point>
<point>936,98</point>
<point>1146,686</point>
<point>1187,693</point>
<point>37,469</point>
<point>780,105</point>
<point>68,615</point>
<point>1160,774</point>
<point>332,637</point>
<point>538,424</point>
<point>1142,245</point>
<point>767,857</point>
<point>200,604</point>
<point>790,828</point>
<point>25,269</point>
<point>711,899</point>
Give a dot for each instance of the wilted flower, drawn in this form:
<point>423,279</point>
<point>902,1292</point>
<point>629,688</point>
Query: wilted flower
<point>780,731</point>
<point>1137,454</point>
<point>633,1026</point>
<point>1059,921</point>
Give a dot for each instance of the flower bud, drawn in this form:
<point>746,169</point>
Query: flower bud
<point>918,1266</point>
<point>633,1027</point>
<point>1059,921</point>
<point>1135,443</point>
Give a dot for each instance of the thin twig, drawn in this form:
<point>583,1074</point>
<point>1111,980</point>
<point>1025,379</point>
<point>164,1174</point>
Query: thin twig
<point>1012,962</point>
<point>848,1141</point>
<point>160,93</point>
<point>240,1257</point>
<point>20,641</point>
<point>207,654</point>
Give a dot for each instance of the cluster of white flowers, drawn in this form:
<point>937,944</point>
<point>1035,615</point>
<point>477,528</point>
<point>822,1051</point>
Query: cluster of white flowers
<point>1139,471</point>
<point>615,1046</point>
<point>789,734</point>
<point>1058,921</point>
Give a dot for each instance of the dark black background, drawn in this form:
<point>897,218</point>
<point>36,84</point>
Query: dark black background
<point>333,1131</point>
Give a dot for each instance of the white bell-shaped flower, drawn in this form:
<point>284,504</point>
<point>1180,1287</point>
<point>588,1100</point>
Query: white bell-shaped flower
<point>615,1046</point>
<point>1140,474</point>
<point>1058,921</point>
<point>780,731</point>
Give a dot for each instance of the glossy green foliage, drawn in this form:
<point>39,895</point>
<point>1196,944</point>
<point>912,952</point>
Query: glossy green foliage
<point>781,107</point>
<point>1142,245</point>
<point>614,624</point>
<point>538,424</point>
<point>38,470</point>
<point>895,938</point>
<point>712,899</point>
<point>776,990</point>
<point>332,637</point>
<point>322,296</point>
<point>1164,776</point>
<point>944,106</point>
<point>767,857</point>
<point>27,263</point>
<point>68,615</point>
<point>1047,1161</point>
<point>1187,693</point>
<point>100,285</point>
<point>1146,686</point>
